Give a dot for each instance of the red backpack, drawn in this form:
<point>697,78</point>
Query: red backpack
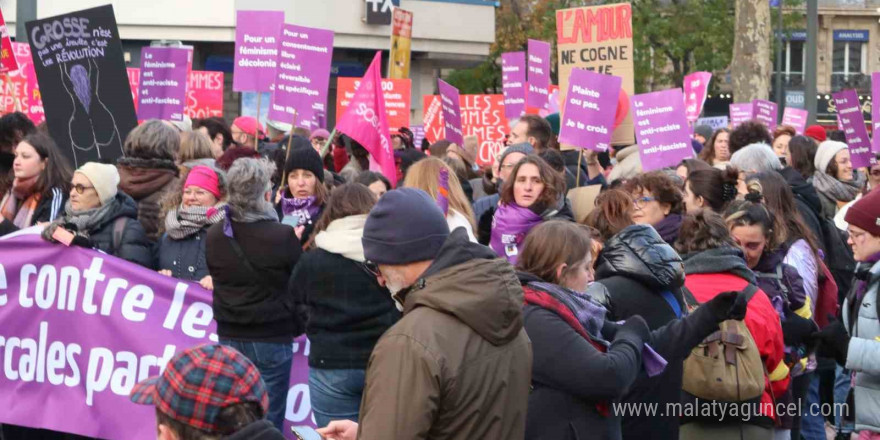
<point>826,297</point>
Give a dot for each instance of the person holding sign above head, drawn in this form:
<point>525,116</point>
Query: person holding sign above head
<point>189,214</point>
<point>301,201</point>
<point>40,186</point>
<point>99,216</point>
<point>533,194</point>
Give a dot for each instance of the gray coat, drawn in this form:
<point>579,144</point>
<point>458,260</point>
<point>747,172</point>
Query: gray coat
<point>863,356</point>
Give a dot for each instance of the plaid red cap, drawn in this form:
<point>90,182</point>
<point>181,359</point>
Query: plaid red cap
<point>199,382</point>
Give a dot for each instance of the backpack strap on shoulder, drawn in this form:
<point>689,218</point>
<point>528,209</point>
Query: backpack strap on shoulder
<point>118,231</point>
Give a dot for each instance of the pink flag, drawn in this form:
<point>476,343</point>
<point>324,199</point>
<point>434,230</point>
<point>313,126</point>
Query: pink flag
<point>696,85</point>
<point>366,121</point>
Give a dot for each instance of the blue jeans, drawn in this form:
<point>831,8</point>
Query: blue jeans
<point>274,361</point>
<point>335,394</point>
<point>812,422</point>
<point>842,383</point>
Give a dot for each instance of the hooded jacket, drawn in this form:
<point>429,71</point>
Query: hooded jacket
<point>458,364</point>
<point>806,200</point>
<point>863,354</point>
<point>148,181</point>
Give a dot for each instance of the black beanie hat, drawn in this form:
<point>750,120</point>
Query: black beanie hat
<point>304,157</point>
<point>405,226</point>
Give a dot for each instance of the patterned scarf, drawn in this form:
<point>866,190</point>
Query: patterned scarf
<point>509,228</point>
<point>84,221</point>
<point>185,221</point>
<point>841,191</point>
<point>306,209</point>
<point>19,204</point>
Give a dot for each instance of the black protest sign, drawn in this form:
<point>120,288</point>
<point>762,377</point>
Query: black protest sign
<point>81,71</point>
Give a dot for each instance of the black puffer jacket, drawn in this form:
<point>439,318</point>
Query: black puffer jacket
<point>806,199</point>
<point>133,244</point>
<point>637,266</point>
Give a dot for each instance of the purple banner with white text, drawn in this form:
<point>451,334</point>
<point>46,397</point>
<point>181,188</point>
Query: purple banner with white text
<point>539,73</point>
<point>513,81</point>
<point>875,113</point>
<point>451,103</point>
<point>80,328</point>
<point>852,123</point>
<point>740,112</point>
<point>795,118</point>
<point>662,129</point>
<point>162,90</point>
<point>256,49</point>
<point>589,108</point>
<point>765,112</point>
<point>303,75</point>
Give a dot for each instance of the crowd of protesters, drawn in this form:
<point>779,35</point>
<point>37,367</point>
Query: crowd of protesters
<point>475,302</point>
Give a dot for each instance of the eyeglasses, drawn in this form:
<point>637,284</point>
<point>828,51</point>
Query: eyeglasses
<point>80,188</point>
<point>856,235</point>
<point>372,268</point>
<point>641,202</point>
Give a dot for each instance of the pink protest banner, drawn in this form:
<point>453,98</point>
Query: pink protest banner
<point>852,122</point>
<point>134,81</point>
<point>588,111</point>
<point>7,58</point>
<point>204,94</point>
<point>875,112</point>
<point>795,118</point>
<point>80,328</point>
<point>539,73</point>
<point>396,93</point>
<point>765,112</point>
<point>513,82</point>
<point>257,34</point>
<point>367,122</point>
<point>481,116</point>
<point>740,112</point>
<point>696,86</point>
<point>662,129</point>
<point>20,89</point>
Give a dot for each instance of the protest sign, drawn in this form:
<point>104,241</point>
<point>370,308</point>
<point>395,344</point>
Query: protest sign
<point>481,116</point>
<point>513,80</point>
<point>303,75</point>
<point>8,62</point>
<point>257,34</point>
<point>539,73</point>
<point>80,328</point>
<point>204,94</point>
<point>795,118</point>
<point>84,86</point>
<point>765,112</point>
<point>588,114</point>
<point>715,122</point>
<point>852,122</point>
<point>740,112</point>
<point>162,90</point>
<point>598,38</point>
<point>875,113</point>
<point>20,90</point>
<point>396,93</point>
<point>401,41</point>
<point>451,105</point>
<point>661,129</point>
<point>696,86</point>
<point>134,81</point>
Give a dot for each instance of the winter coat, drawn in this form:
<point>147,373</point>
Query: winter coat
<point>259,430</point>
<point>148,182</point>
<point>346,308</point>
<point>724,269</point>
<point>637,266</point>
<point>50,207</point>
<point>249,308</point>
<point>863,354</point>
<point>185,258</point>
<point>458,364</point>
<point>628,165</point>
<point>782,283</point>
<point>800,256</point>
<point>806,200</point>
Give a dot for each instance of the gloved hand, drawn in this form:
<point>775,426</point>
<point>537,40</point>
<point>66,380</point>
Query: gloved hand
<point>798,331</point>
<point>727,305</point>
<point>833,341</point>
<point>79,240</point>
<point>634,328</point>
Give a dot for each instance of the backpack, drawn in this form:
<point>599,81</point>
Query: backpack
<point>784,292</point>
<point>826,298</point>
<point>727,365</point>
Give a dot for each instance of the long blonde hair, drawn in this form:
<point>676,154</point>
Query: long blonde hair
<point>425,175</point>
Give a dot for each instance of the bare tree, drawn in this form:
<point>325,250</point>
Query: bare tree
<point>750,69</point>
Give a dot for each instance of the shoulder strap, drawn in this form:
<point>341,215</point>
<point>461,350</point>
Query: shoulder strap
<point>670,299</point>
<point>239,253</point>
<point>749,291</point>
<point>118,230</point>
<point>689,299</point>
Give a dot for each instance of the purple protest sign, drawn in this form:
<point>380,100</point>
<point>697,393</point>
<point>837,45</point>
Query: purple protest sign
<point>87,327</point>
<point>539,73</point>
<point>418,135</point>
<point>162,91</point>
<point>451,103</point>
<point>795,118</point>
<point>849,113</point>
<point>765,112</point>
<point>740,112</point>
<point>662,130</point>
<point>696,86</point>
<point>589,109</point>
<point>513,80</point>
<point>875,113</point>
<point>256,49</point>
<point>303,75</point>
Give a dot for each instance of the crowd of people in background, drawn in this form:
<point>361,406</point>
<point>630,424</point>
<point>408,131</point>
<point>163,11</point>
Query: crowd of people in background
<point>476,302</point>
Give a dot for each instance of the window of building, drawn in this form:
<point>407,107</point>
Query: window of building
<point>849,59</point>
<point>793,58</point>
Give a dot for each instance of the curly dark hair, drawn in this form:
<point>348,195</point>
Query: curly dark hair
<point>747,133</point>
<point>13,128</point>
<point>661,186</point>
<point>613,213</point>
<point>702,231</point>
<point>554,184</point>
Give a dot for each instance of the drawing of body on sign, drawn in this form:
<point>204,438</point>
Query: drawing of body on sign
<point>83,82</point>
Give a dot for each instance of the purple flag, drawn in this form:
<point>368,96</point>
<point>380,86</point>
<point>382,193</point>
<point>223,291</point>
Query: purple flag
<point>662,129</point>
<point>162,91</point>
<point>795,118</point>
<point>256,49</point>
<point>451,102</point>
<point>81,328</point>
<point>303,75</point>
<point>513,82</point>
<point>696,86</point>
<point>765,112</point>
<point>740,112</point>
<point>589,109</point>
<point>875,113</point>
<point>849,113</point>
<point>539,73</point>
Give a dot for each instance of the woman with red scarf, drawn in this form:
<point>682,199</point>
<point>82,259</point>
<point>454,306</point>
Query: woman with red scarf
<point>40,187</point>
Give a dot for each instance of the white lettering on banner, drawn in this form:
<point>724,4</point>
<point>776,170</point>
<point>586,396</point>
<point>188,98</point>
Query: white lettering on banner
<point>3,297</point>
